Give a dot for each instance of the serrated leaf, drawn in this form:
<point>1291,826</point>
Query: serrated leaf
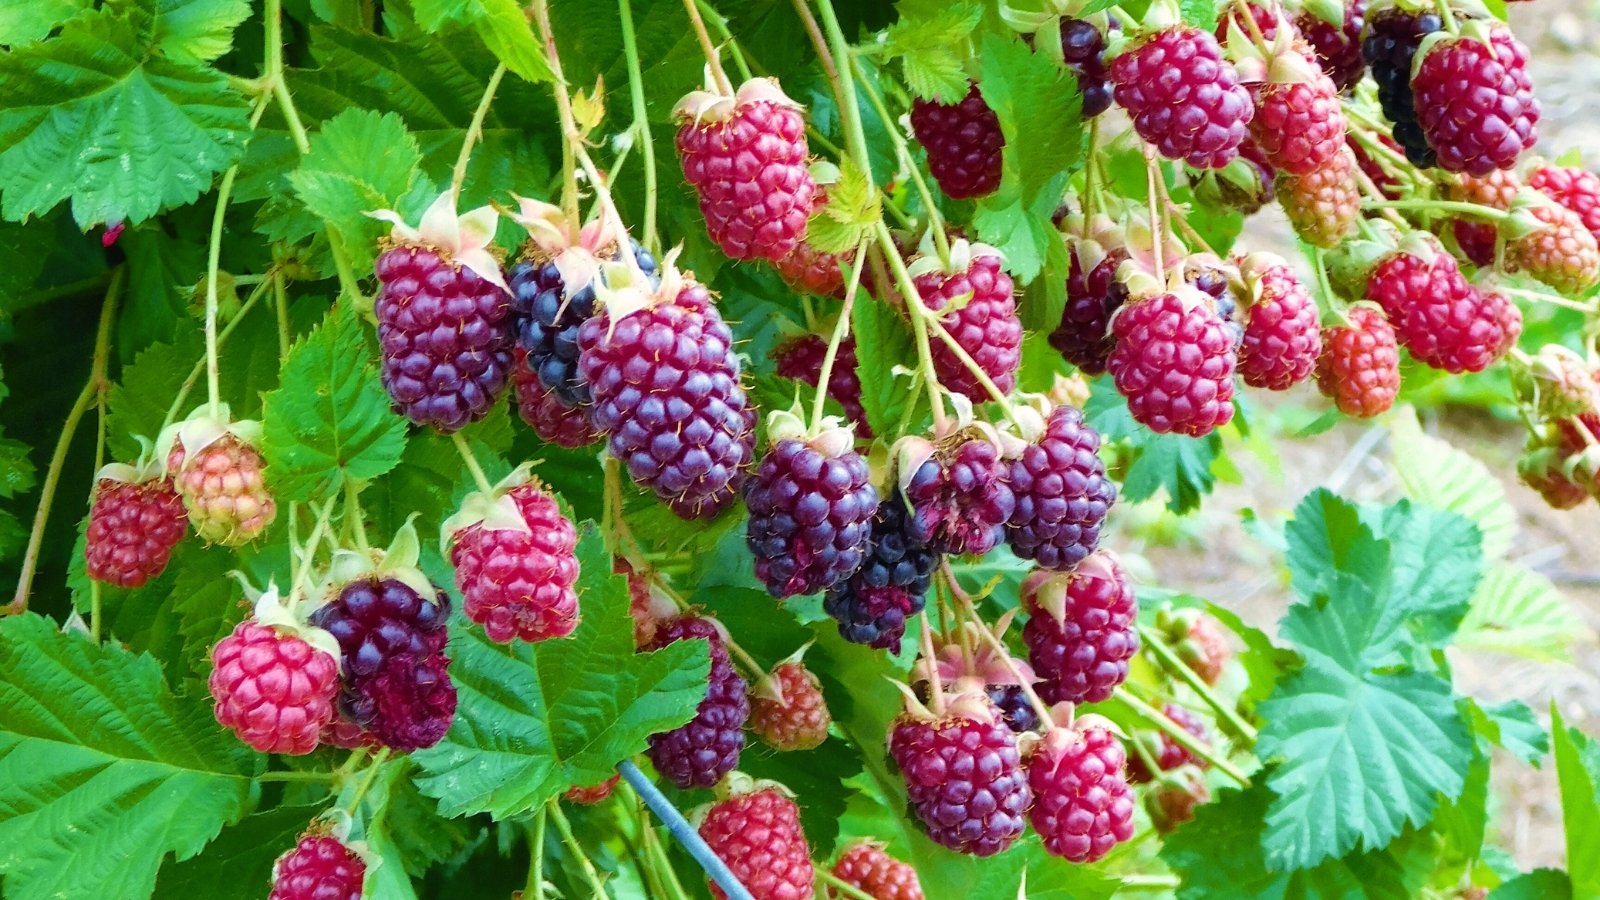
<point>360,161</point>
<point>137,404</point>
<point>330,420</point>
<point>501,24</point>
<point>930,44</point>
<point>1516,610</point>
<point>147,132</point>
<point>25,21</point>
<point>198,31</point>
<point>854,205</point>
<point>884,395</point>
<point>1578,768</point>
<point>1510,725</point>
<point>534,720</point>
<point>1178,465</point>
<point>1434,473</point>
<point>102,770</point>
<point>238,863</point>
<point>1200,13</point>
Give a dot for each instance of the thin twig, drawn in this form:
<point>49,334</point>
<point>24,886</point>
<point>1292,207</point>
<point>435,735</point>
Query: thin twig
<point>475,128</point>
<point>471,461</point>
<point>576,849</point>
<point>1169,660</point>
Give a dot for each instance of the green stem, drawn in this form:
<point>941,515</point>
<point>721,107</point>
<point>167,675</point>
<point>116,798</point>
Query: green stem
<point>659,863</point>
<point>1476,210</point>
<point>641,122</point>
<point>471,461</point>
<point>970,610</point>
<point>720,23</point>
<point>709,50</point>
<point>321,777</point>
<point>919,324</point>
<point>378,759</point>
<point>973,368</point>
<point>565,828</point>
<point>849,109</point>
<point>535,888</point>
<point>843,887</point>
<point>475,128</point>
<point>841,329</point>
<point>309,551</point>
<point>1181,737</point>
<point>903,153</point>
<point>213,260</point>
<point>352,514</point>
<point>200,364</point>
<point>280,296</point>
<point>1149,882</point>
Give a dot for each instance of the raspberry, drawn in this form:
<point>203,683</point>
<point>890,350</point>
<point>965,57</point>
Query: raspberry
<point>273,688</point>
<point>985,326</point>
<point>1265,17</point>
<point>811,506</point>
<point>964,143</point>
<point>1184,97</point>
<point>1476,238</point>
<point>554,420</point>
<point>666,388</point>
<point>1062,493</point>
<point>1322,206</point>
<point>446,337</point>
<point>746,158</point>
<point>223,489</point>
<point>395,679</point>
<point>593,794</point>
<point>801,359</point>
<point>1444,321</point>
<point>1083,337</point>
<point>1298,122</point>
<point>872,605</point>
<point>1081,630</point>
<point>318,868</point>
<point>758,835</point>
<point>1167,753</point>
<point>1174,363</point>
<point>1083,49</point>
<point>964,779</point>
<point>959,497</point>
<point>1360,364</point>
<point>1475,102</point>
<point>1281,337</point>
<point>1338,47</point>
<point>707,747</point>
<point>866,867</point>
<point>1082,803</point>
<point>1391,39</point>
<point>1199,641</point>
<point>1544,469</point>
<point>1016,710</point>
<point>790,713</point>
<point>1576,189</point>
<point>1562,254</point>
<point>518,583</point>
<point>812,271</point>
<point>1557,382</point>
<point>133,525</point>
<point>1172,799</point>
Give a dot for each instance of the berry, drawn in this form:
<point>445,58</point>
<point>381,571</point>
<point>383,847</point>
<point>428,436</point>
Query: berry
<point>959,498</point>
<point>1265,18</point>
<point>591,795</point>
<point>1444,321</point>
<point>1360,364</point>
<point>964,779</point>
<point>963,141</point>
<point>811,506</point>
<point>986,326</point>
<point>554,420</point>
<point>1562,254</point>
<point>1545,468</point>
<point>1167,753</point>
<point>1338,47</point>
<point>223,488</point>
<point>758,835</point>
<point>1391,39</point>
<point>1204,648</point>
<point>865,867</point>
<point>801,359</point>
<point>1475,102</point>
<point>1576,189</point>
<point>518,583</point>
<point>791,713</point>
<point>665,383</point>
<point>1298,123</point>
<point>1174,361</point>
<point>1062,493</point>
<point>1081,630</point>
<point>133,526</point>
<point>812,271</point>
<point>445,333</point>
<point>1184,97</point>
<point>1477,238</point>
<point>1082,804</point>
<point>395,679</point>
<point>318,868</point>
<point>1322,206</point>
<point>1083,49</point>
<point>1172,799</point>
<point>1016,710</point>
<point>746,158</point>
<point>1281,338</point>
<point>1083,337</point>
<point>701,751</point>
<point>274,689</point>
<point>872,605</point>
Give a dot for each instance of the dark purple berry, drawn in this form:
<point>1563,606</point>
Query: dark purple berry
<point>960,499</point>
<point>1391,40</point>
<point>872,605</point>
<point>964,779</point>
<point>700,752</point>
<point>811,507</point>
<point>1081,630</point>
<point>1062,493</point>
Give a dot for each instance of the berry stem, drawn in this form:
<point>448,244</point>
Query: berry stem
<point>993,640</point>
<point>1226,713</point>
<point>576,849</point>
<point>353,516</point>
<point>92,388</point>
<point>1242,12</point>
<point>641,125</point>
<point>287,775</point>
<point>803,10</point>
<point>713,60</point>
<point>471,461</point>
<point>280,304</point>
<point>1589,309</point>
<point>972,365</point>
<point>1319,265</point>
<point>1143,752</point>
<point>1476,210</point>
<point>309,551</point>
<point>838,884</point>
<point>1181,737</point>
<point>535,886</point>
<point>935,687</point>
<point>1137,882</point>
<point>919,324</point>
<point>941,240</point>
<point>378,759</point>
<point>658,865</point>
<point>475,129</point>
<point>683,832</point>
<point>841,329</point>
<point>200,364</point>
<point>1158,224</point>
<point>1091,201</point>
<point>720,23</point>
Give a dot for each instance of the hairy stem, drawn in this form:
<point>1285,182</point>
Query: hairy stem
<point>841,330</point>
<point>1181,737</point>
<point>475,129</point>
<point>713,61</point>
<point>535,888</point>
<point>641,123</point>
<point>576,849</point>
<point>471,462</point>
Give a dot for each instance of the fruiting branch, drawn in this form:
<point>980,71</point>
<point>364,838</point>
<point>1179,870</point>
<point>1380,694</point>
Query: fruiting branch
<point>585,865</point>
<point>1226,713</point>
<point>841,330</point>
<point>475,128</point>
<point>1181,737</point>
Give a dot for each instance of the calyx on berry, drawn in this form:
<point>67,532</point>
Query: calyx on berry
<point>397,562</point>
<point>712,105</point>
<point>202,429</point>
<point>966,662</point>
<point>575,250</point>
<point>962,253</point>
<point>1051,593</point>
<point>495,510</point>
<point>831,436</point>
<point>622,290</point>
<point>286,615</point>
<point>464,240</point>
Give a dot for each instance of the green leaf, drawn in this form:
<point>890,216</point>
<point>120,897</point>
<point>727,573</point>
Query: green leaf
<point>1540,884</point>
<point>238,863</point>
<point>360,161</point>
<point>137,404</point>
<point>331,419</point>
<point>25,21</point>
<point>1578,767</point>
<point>1519,611</point>
<point>931,47</point>
<point>1438,475</point>
<point>501,24</point>
<point>1200,13</point>
<point>147,132</point>
<point>197,31</point>
<point>534,720</point>
<point>102,770</point>
<point>884,395</point>
<point>854,206</point>
<point>1178,465</point>
<point>1511,725</point>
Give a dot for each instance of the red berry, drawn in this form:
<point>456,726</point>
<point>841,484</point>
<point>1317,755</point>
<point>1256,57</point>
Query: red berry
<point>1266,21</point>
<point>1323,205</point>
<point>133,526</point>
<point>985,326</point>
<point>801,359</point>
<point>1338,47</point>
<point>791,714</point>
<point>1298,122</point>
<point>1061,491</point>
<point>960,499</point>
<point>224,489</point>
<point>1184,97</point>
<point>665,383</point>
<point>552,419</point>
<point>1082,804</point>
<point>273,689</point>
<point>812,271</point>
<point>1562,254</point>
<point>1204,648</point>
<point>1552,468</point>
<point>1083,337</point>
<point>758,835</point>
<point>872,605</point>
<point>1172,799</point>
<point>592,794</point>
<point>1174,361</point>
<point>867,868</point>
<point>811,505</point>
<point>1081,630</point>
<point>964,143</point>
<point>1576,189</point>
<point>1282,339</point>
<point>746,158</point>
<point>1390,43</point>
<point>318,868</point>
<point>1168,753</point>
<point>964,779</point>
<point>1445,322</point>
<point>1476,238</point>
<point>519,584</point>
<point>1360,363</point>
<point>1475,102</point>
<point>701,751</point>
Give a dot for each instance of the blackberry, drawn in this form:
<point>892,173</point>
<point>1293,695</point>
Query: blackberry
<point>1083,336</point>
<point>1083,49</point>
<point>1062,493</point>
<point>1338,47</point>
<point>1475,102</point>
<point>319,867</point>
<point>811,505</point>
<point>707,747</point>
<point>1391,39</point>
<point>1081,630</point>
<point>134,523</point>
<point>1082,803</point>
<point>517,583</point>
<point>963,141</point>
<point>964,779</point>
<point>986,325</point>
<point>1173,361</point>
<point>960,499</point>
<point>1016,710</point>
<point>1184,96</point>
<point>757,833</point>
<point>872,605</point>
<point>801,359</point>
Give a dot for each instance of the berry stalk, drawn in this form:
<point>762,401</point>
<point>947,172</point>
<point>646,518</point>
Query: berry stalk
<point>935,224</point>
<point>683,832</point>
<point>839,885</point>
<point>641,125</point>
<point>367,780</point>
<point>475,129</point>
<point>919,324</point>
<point>841,330</point>
<point>181,399</point>
<point>993,640</point>
<point>1176,667</point>
<point>535,886</point>
<point>301,580</point>
<point>575,848</point>
<point>1181,737</point>
<point>713,60</point>
<point>471,462</point>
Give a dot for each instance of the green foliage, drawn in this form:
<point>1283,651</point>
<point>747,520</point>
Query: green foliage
<point>359,162</point>
<point>1153,463</point>
<point>884,393</point>
<point>1578,767</point>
